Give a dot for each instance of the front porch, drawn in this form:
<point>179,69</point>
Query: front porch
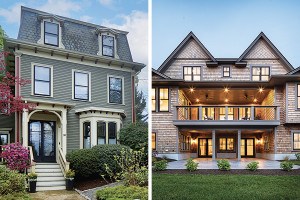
<point>209,163</point>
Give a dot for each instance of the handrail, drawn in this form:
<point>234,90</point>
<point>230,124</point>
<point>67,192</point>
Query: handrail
<point>218,106</point>
<point>64,165</point>
<point>31,158</point>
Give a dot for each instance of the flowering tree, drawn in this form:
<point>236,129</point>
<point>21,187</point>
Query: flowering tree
<point>16,157</point>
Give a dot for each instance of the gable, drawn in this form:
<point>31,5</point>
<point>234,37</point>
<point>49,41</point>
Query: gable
<point>261,50</point>
<point>192,50</point>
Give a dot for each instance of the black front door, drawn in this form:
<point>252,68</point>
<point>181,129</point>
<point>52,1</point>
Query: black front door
<point>247,147</point>
<point>42,140</point>
<point>204,147</point>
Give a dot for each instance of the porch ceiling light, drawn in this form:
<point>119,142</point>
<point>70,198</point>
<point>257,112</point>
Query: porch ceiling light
<point>197,100</point>
<point>261,89</point>
<point>192,89</point>
<point>226,89</point>
<point>226,100</point>
<point>255,100</point>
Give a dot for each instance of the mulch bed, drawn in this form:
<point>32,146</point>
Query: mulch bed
<point>85,184</point>
<point>266,172</point>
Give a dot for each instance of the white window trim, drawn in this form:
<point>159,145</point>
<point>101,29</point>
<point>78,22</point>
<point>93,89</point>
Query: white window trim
<point>32,78</point>
<point>90,85</point>
<point>123,99</point>
<point>100,44</point>
<point>41,40</point>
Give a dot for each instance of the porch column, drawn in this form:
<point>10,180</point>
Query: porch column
<point>25,128</point>
<point>200,112</point>
<point>64,131</point>
<point>213,144</point>
<point>239,145</point>
<point>93,132</point>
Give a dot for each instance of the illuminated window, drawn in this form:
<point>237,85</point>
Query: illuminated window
<point>222,144</point>
<point>192,73</point>
<point>153,99</point>
<point>226,71</point>
<point>185,143</point>
<point>226,144</point>
<point>260,73</point>
<point>153,141</point>
<point>296,140</point>
<point>163,99</point>
<point>298,95</point>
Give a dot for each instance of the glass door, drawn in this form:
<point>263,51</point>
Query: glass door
<point>204,147</point>
<point>247,147</point>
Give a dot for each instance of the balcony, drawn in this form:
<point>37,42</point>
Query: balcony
<point>227,116</point>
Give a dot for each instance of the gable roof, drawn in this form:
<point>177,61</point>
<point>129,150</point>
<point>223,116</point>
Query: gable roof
<point>154,71</point>
<point>272,46</point>
<point>185,41</point>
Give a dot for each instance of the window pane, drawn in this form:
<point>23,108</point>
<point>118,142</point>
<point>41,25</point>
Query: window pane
<point>81,79</point>
<point>42,88</point>
<point>164,105</point>
<point>115,97</point>
<point>298,102</point>
<point>265,71</point>
<point>226,74</point>
<point>101,132</point>
<point>264,78</point>
<point>3,139</point>
<point>256,71</point>
<point>115,83</point>
<point>42,73</point>
<point>196,70</point>
<point>112,133</point>
<point>153,93</point>
<point>51,28</point>
<point>51,39</point>
<point>197,77</point>
<point>222,143</point>
<point>108,51</point>
<point>153,105</point>
<point>153,140</point>
<point>86,135</point>
<point>298,90</point>
<point>108,40</point>
<point>229,143</point>
<point>164,93</point>
<point>255,78</point>
<point>81,92</point>
<point>188,77</point>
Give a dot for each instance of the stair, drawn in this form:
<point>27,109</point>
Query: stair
<point>50,177</point>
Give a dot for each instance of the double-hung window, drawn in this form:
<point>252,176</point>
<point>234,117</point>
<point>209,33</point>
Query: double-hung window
<point>153,99</point>
<point>192,73</point>
<point>116,90</point>
<point>101,132</point>
<point>81,85</point>
<point>226,71</point>
<point>296,141</point>
<point>163,99</point>
<point>51,33</point>
<point>107,45</point>
<point>260,73</point>
<point>42,80</point>
<point>112,133</point>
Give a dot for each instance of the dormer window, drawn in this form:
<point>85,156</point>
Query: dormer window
<point>51,33</point>
<point>107,45</point>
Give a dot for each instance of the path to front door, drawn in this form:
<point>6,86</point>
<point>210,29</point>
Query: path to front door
<point>42,139</point>
<point>208,163</point>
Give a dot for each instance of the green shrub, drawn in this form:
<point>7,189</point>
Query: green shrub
<point>224,164</point>
<point>132,171</point>
<point>160,165</point>
<point>286,165</point>
<point>11,181</point>
<point>70,174</point>
<point>123,192</point>
<point>191,165</point>
<point>90,162</point>
<point>135,136</point>
<point>252,166</point>
<point>297,156</point>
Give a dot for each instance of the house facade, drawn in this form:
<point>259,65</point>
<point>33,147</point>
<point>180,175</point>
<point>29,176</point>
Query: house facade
<point>204,106</point>
<point>82,84</point>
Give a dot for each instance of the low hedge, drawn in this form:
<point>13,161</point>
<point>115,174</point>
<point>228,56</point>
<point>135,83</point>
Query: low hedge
<point>11,181</point>
<point>123,192</point>
<point>90,162</point>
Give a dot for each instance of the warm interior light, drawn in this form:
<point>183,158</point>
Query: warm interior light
<point>226,89</point>
<point>226,100</point>
<point>192,89</point>
<point>261,90</point>
<point>258,141</point>
<point>193,141</point>
<point>255,100</point>
<point>197,100</point>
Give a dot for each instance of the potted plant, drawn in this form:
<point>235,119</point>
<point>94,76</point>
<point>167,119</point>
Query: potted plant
<point>70,174</point>
<point>32,178</point>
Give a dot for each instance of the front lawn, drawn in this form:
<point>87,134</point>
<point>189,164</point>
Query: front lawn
<point>186,186</point>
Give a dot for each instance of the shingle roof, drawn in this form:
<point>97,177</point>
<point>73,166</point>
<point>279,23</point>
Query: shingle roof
<point>293,71</point>
<point>76,35</point>
<point>160,74</point>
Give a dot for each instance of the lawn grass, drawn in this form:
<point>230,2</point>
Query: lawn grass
<point>180,186</point>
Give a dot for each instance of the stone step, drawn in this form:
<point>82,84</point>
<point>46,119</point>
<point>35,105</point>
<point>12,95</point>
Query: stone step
<point>50,183</point>
<point>50,188</point>
<point>50,178</point>
<point>47,166</point>
<point>51,174</point>
<point>47,170</point>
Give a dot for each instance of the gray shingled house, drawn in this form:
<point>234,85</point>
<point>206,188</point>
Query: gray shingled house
<point>210,107</point>
<point>82,82</point>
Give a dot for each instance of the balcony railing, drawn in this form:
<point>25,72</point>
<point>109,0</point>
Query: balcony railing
<point>234,113</point>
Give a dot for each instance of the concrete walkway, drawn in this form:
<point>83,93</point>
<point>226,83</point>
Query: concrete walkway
<point>208,163</point>
<point>56,195</point>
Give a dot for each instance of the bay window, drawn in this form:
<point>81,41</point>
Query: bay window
<point>87,135</point>
<point>101,133</point>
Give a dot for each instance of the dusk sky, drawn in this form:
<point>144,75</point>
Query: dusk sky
<point>226,28</point>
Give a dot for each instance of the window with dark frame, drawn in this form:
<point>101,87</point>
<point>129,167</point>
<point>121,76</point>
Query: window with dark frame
<point>296,141</point>
<point>51,33</point>
<point>260,73</point>
<point>192,73</point>
<point>112,133</point>
<point>107,45</point>
<point>153,141</point>
<point>226,144</point>
<point>153,99</point>
<point>42,80</point>
<point>87,135</point>
<point>81,85</point>
<point>298,96</point>
<point>163,100</point>
<point>185,143</point>
<point>226,71</point>
<point>115,90</point>
<point>4,139</point>
<point>101,132</point>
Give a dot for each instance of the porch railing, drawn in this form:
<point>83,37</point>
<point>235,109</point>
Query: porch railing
<point>64,165</point>
<point>216,112</point>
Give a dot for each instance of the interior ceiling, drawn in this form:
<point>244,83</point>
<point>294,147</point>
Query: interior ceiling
<point>218,96</point>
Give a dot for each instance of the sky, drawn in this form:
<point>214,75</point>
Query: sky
<point>129,15</point>
<point>225,27</point>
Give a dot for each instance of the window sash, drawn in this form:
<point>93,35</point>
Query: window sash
<point>101,132</point>
<point>164,99</point>
<point>226,144</point>
<point>192,73</point>
<point>119,92</point>
<point>78,96</point>
<point>38,81</point>
<point>260,73</point>
<point>226,71</point>
<point>112,133</point>
<point>107,46</point>
<point>296,141</point>
<point>51,33</point>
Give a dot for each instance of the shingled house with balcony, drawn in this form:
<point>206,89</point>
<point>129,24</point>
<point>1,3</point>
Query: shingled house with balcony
<point>82,83</point>
<point>204,106</point>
